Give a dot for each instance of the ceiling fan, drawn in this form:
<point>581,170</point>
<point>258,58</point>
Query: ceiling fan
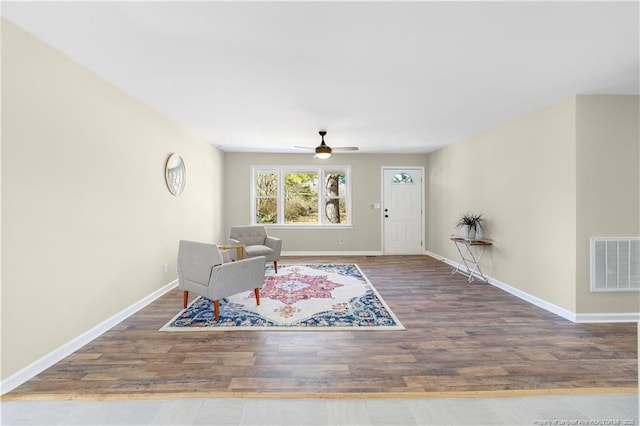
<point>323,151</point>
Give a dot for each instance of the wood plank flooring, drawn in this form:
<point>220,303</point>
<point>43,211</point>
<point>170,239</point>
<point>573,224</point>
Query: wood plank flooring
<point>460,339</point>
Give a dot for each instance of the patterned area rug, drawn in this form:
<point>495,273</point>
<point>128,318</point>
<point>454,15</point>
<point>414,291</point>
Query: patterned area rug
<point>312,297</point>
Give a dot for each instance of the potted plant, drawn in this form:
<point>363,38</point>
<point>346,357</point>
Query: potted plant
<point>470,226</point>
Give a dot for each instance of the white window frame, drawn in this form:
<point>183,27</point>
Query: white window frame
<point>321,173</point>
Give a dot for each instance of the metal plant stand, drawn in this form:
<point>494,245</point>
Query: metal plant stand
<point>469,259</point>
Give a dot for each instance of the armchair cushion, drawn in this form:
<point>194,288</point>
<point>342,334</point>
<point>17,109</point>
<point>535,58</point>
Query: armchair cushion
<point>258,250</point>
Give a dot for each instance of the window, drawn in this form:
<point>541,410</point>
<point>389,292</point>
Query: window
<point>301,196</point>
<point>402,178</point>
<point>266,199</point>
<point>335,210</point>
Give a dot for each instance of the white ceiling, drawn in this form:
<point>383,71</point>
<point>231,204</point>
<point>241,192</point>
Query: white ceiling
<point>389,77</point>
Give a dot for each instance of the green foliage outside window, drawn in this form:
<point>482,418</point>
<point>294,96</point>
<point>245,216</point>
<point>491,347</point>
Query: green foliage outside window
<point>301,198</point>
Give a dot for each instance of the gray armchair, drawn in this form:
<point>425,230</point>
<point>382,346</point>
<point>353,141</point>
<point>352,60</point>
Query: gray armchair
<point>257,242</point>
<point>202,271</point>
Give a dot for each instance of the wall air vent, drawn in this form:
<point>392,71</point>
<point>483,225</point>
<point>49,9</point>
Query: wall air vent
<point>615,264</point>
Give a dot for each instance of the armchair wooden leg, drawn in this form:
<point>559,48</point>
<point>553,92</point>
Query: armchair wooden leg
<point>275,266</point>
<point>216,309</point>
<point>257,292</point>
<point>185,299</point>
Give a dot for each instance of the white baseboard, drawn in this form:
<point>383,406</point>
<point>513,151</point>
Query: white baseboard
<point>548,306</point>
<point>534,300</point>
<point>626,317</point>
<point>68,348</point>
<point>331,253</point>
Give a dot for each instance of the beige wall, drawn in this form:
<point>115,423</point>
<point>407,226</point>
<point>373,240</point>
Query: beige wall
<point>365,236</point>
<point>87,221</point>
<point>569,171</point>
<point>521,177</point>
<point>608,191</point>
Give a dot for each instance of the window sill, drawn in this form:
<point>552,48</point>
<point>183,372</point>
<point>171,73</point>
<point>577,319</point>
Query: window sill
<point>306,227</point>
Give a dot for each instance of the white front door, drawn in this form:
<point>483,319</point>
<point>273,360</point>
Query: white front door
<point>402,211</point>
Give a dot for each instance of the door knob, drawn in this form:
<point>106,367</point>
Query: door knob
<point>386,215</point>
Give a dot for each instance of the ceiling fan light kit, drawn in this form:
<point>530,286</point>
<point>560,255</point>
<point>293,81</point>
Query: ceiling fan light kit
<point>323,151</point>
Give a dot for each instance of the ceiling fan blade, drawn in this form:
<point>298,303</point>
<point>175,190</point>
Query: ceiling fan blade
<point>304,147</point>
<point>344,148</point>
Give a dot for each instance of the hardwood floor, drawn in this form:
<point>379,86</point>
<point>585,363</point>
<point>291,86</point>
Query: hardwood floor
<point>460,339</point>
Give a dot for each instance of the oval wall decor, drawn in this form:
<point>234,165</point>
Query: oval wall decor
<point>175,174</point>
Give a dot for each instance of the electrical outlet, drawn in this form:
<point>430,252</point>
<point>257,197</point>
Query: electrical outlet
<point>341,241</point>
<point>165,268</point>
